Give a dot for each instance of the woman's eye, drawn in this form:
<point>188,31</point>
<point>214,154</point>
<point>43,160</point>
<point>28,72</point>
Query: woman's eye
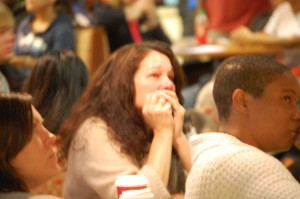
<point>171,77</point>
<point>154,75</point>
<point>287,99</point>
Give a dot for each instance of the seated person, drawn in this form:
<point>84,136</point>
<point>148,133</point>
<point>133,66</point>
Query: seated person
<point>66,76</point>
<point>256,99</point>
<point>195,122</point>
<point>225,16</point>
<point>127,121</point>
<point>18,9</point>
<point>47,27</point>
<point>27,150</point>
<point>282,29</point>
<point>205,103</point>
<point>6,41</point>
<point>130,21</point>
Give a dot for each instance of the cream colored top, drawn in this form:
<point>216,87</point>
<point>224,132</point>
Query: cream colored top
<point>94,163</point>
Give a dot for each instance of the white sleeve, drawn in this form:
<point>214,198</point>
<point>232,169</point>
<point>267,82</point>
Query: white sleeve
<point>242,174</point>
<point>283,22</point>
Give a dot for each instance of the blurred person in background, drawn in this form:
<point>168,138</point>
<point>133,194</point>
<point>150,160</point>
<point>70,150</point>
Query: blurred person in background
<point>127,21</point>
<point>46,27</point>
<point>282,29</point>
<point>66,76</point>
<point>18,9</point>
<point>225,16</point>
<point>205,102</point>
<point>195,122</point>
<point>187,10</point>
<point>7,37</point>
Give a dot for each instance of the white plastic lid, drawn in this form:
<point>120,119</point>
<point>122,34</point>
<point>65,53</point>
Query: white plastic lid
<point>131,180</point>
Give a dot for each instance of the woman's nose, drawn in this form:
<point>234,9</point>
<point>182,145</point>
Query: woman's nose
<point>51,138</point>
<point>168,84</point>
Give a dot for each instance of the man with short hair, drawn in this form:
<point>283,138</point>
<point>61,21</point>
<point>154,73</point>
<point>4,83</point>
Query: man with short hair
<point>256,100</point>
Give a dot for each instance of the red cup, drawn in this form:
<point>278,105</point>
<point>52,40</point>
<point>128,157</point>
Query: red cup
<point>130,182</point>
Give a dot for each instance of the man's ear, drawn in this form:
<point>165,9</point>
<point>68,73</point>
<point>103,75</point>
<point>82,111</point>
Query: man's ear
<point>240,101</point>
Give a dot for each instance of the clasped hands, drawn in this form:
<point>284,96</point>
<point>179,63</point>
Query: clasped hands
<point>163,113</point>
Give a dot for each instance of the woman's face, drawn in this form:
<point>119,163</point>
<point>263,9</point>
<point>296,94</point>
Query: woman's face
<point>37,161</point>
<point>155,72</point>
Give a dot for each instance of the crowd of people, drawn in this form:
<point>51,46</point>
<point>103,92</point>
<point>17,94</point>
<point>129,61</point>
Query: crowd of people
<point>130,116</point>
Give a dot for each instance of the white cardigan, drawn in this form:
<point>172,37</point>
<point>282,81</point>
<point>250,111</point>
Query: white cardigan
<point>224,167</point>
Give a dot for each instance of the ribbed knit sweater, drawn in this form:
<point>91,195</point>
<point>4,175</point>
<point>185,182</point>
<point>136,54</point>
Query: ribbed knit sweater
<point>224,167</point>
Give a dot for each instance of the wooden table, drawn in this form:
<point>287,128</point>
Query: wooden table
<point>188,49</point>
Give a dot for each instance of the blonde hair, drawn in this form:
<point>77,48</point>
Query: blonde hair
<point>6,17</point>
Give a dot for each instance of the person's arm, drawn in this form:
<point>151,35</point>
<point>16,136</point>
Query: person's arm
<point>179,142</point>
<point>135,10</point>
<point>21,57</point>
<point>182,147</point>
<point>157,112</point>
<point>150,16</point>
<point>244,36</point>
<point>23,61</point>
<point>100,162</point>
<point>160,149</point>
<point>6,44</point>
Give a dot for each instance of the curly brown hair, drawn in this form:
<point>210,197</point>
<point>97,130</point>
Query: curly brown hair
<point>110,96</point>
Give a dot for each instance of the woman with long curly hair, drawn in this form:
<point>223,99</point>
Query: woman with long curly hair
<point>128,121</point>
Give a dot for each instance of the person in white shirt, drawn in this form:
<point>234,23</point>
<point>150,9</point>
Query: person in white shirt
<point>258,113</point>
<point>282,29</point>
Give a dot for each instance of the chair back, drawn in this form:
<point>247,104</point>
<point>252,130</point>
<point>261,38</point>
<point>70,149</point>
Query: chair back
<point>92,46</point>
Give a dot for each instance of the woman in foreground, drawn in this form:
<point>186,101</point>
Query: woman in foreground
<point>128,121</point>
